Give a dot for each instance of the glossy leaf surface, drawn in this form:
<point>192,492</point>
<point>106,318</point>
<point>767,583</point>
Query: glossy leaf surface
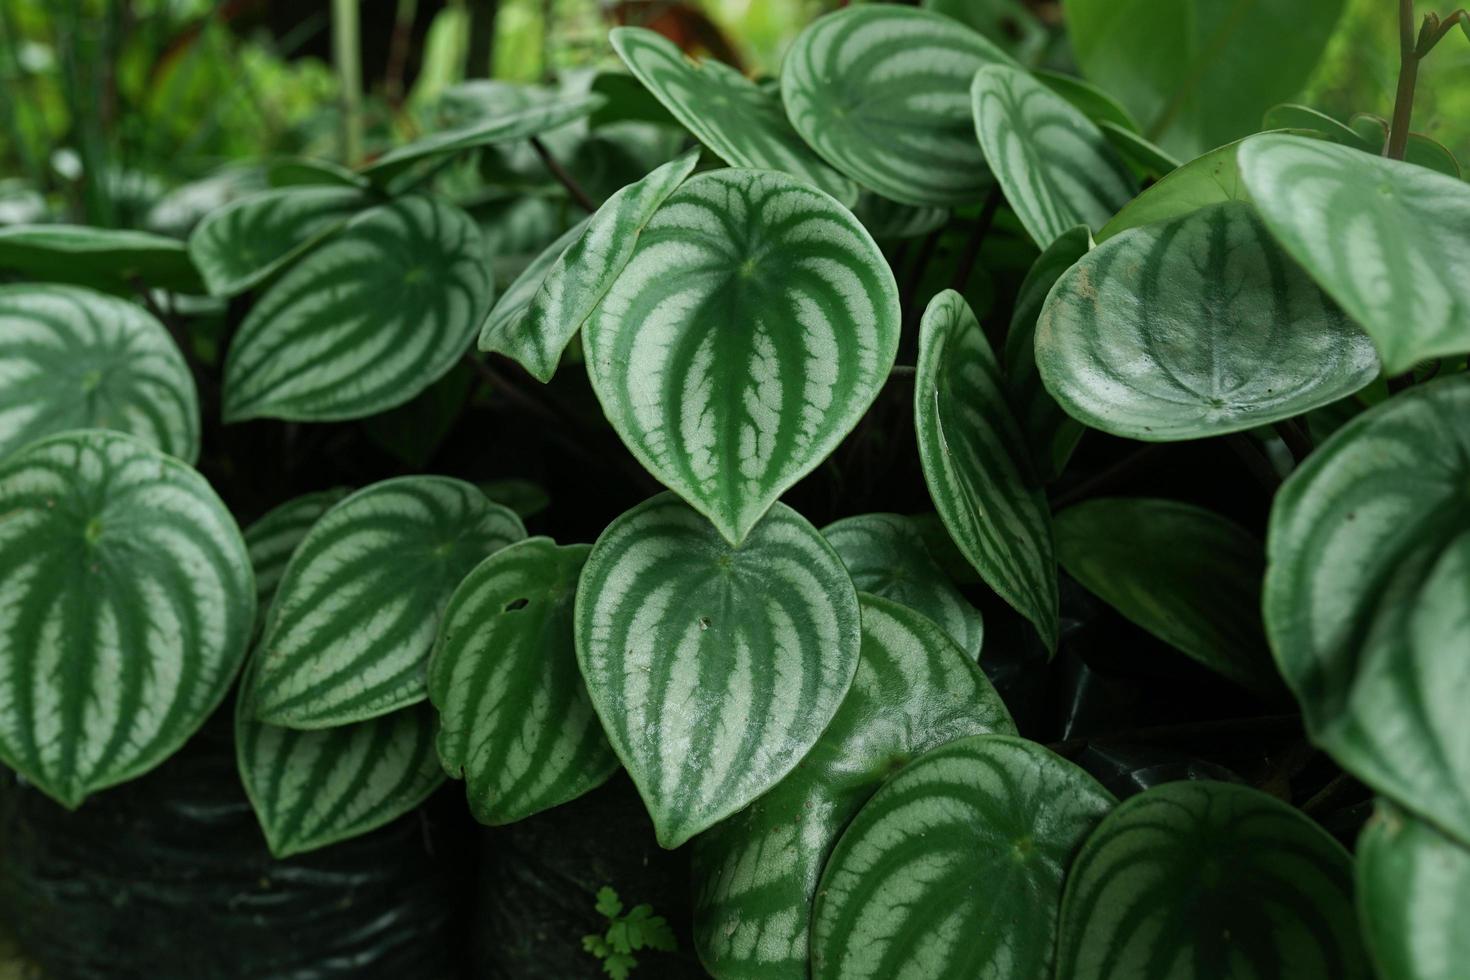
<point>272,540</point>
<point>242,244</point>
<point>106,258</point>
<point>503,327</point>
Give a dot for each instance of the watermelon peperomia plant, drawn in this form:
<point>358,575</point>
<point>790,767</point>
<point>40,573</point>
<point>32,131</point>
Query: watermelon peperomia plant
<point>934,402</point>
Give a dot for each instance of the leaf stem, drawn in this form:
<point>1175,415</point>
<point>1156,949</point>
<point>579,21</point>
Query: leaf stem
<point>1296,439</point>
<point>978,231</point>
<point>560,173</point>
<point>346,52</point>
<point>1403,105</point>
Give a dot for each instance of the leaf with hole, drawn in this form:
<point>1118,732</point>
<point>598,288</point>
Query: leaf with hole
<point>111,259</point>
<point>714,667</point>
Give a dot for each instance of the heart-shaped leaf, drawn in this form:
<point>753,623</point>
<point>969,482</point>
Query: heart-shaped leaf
<point>713,667</point>
<point>125,607</point>
<point>74,359</point>
<point>311,789</point>
<point>1209,880</point>
<point>369,319</point>
<point>1210,179</point>
<point>272,540</point>
<point>976,464</point>
<point>739,121</point>
<point>955,867</point>
<point>1413,889</point>
<point>583,272</point>
<point>886,555</point>
<point>751,329</point>
<point>503,321</point>
<point>106,258</point>
<point>353,621</point>
<point>880,92</point>
<point>514,718</point>
<point>1054,165</point>
<point>242,244</point>
<point>1366,597</point>
<point>1193,327</point>
<point>1385,239</point>
<point>1185,574</point>
<point>756,873</point>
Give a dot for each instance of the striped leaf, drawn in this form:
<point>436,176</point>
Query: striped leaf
<point>880,92</point>
<point>576,282</point>
<point>239,246</point>
<point>1209,880</point>
<point>1366,599</point>
<point>1051,433</point>
<point>756,874</point>
<point>504,321</point>
<point>713,667</point>
<point>354,616</point>
<point>1385,239</point>
<point>886,555</point>
<point>1413,890</point>
<point>71,358</point>
<point>1210,328</point>
<point>1183,573</point>
<point>742,123</point>
<point>125,607</point>
<point>1054,165</point>
<point>1210,179</point>
<point>272,540</point>
<point>751,329</point>
<point>976,464</point>
<point>311,789</point>
<point>105,258</point>
<point>514,718</point>
<point>365,322</point>
<point>955,867</point>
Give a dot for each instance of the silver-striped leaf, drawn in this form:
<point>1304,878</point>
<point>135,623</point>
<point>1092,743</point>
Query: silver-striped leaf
<point>1384,238</point>
<point>71,358</point>
<point>881,92</point>
<point>751,329</point>
<point>1413,890</point>
<point>126,602</point>
<point>312,789</point>
<point>583,272</point>
<point>504,320</point>
<point>740,122</point>
<point>1054,165</point>
<point>1214,881</point>
<point>114,259</point>
<point>1193,327</point>
<point>955,867</point>
<point>756,873</point>
<point>350,630</point>
<point>977,465</point>
<point>714,667</point>
<point>1367,597</point>
<point>1185,574</point>
<point>366,321</point>
<point>515,721</point>
<point>272,540</point>
<point>239,246</point>
<point>886,555</point>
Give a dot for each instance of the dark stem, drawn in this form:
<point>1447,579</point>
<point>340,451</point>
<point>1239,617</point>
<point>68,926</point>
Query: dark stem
<point>1296,439</point>
<point>1105,476</point>
<point>978,231</point>
<point>1403,103</point>
<point>566,179</point>
<point>1263,725</point>
<point>1255,461</point>
<point>916,272</point>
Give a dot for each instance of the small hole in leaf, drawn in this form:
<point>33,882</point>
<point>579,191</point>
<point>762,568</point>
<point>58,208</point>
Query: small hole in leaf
<point>516,604</point>
<point>704,622</point>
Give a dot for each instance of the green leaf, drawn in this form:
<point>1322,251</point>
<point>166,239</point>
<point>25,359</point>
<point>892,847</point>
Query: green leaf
<point>751,329</point>
<point>1210,328</point>
<point>524,497</point>
<point>311,789</point>
<point>976,464</point>
<point>71,358</point>
<point>1088,99</point>
<point>304,171</point>
<point>1372,133</point>
<point>1213,879</point>
<point>1366,598</point>
<point>503,324</point>
<point>1291,115</point>
<point>514,718</point>
<point>105,258</point>
<point>738,120</point>
<point>369,319</point>
<point>1184,574</point>
<point>955,867</point>
<point>1051,433</point>
<point>886,555</point>
<point>354,616</point>
<point>414,432</point>
<point>1146,158</point>
<point>1413,890</point>
<point>1210,179</point>
<point>273,538</point>
<point>888,220</point>
<point>584,272</point>
<point>756,873</point>
<point>1008,23</point>
<point>608,903</point>
<point>125,607</point>
<point>1054,165</point>
<point>1199,73</point>
<point>713,667</point>
<point>242,244</point>
<point>880,92</point>
<point>1385,239</point>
